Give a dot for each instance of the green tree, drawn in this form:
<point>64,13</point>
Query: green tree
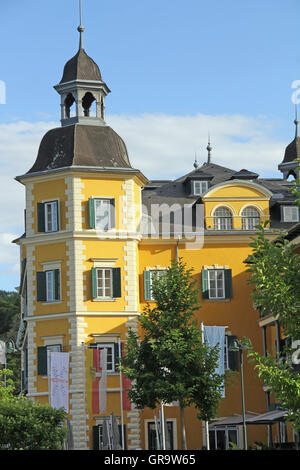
<point>171,362</point>
<point>26,425</point>
<point>275,274</point>
<point>9,325</point>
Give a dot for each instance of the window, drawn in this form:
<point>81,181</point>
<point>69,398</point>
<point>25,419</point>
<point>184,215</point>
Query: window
<point>112,354</point>
<point>48,217</point>
<point>289,214</point>
<point>148,281</point>
<point>220,437</point>
<point>250,218</point>
<point>102,213</point>
<point>48,286</point>
<point>100,442</point>
<point>216,284</point>
<point>230,357</point>
<point>200,187</point>
<point>44,357</point>
<point>222,219</point>
<point>154,435</point>
<point>106,283</point>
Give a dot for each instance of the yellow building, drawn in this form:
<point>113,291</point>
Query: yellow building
<point>96,230</point>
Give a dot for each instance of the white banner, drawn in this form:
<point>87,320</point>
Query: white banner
<point>59,380</point>
<point>2,353</point>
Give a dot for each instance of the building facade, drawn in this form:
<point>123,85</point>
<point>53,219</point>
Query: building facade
<point>96,230</point>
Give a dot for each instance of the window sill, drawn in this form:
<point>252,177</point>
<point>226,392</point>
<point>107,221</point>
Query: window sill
<point>216,300</point>
<point>50,302</point>
<point>104,300</point>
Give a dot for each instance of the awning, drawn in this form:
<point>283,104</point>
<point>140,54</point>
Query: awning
<point>232,420</point>
<point>268,418</point>
<point>251,418</point>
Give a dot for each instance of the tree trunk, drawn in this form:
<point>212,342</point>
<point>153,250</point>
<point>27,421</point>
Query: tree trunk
<point>182,428</point>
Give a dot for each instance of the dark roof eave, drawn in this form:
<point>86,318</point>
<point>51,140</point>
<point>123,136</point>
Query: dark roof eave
<point>84,169</point>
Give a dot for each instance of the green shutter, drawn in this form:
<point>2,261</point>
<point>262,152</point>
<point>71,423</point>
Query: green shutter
<point>56,284</point>
<point>233,356</point>
<point>116,355</point>
<point>42,360</point>
<point>228,283</point>
<point>147,285</point>
<point>112,213</point>
<point>205,289</point>
<point>41,286</point>
<point>116,279</point>
<point>92,212</point>
<point>57,214</point>
<point>41,217</point>
<point>96,438</point>
<point>94,283</point>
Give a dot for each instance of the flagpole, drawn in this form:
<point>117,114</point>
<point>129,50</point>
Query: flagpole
<point>121,397</point>
<point>163,430</point>
<point>205,422</point>
<point>49,376</point>
<point>84,394</point>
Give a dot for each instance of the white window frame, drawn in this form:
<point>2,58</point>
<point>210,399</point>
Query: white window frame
<point>50,286</point>
<point>109,201</point>
<point>213,273</point>
<point>110,346</point>
<point>203,187</point>
<point>103,269</point>
<point>52,348</point>
<point>290,214</point>
<point>250,221</point>
<point>160,270</point>
<point>220,220</point>
<point>52,226</point>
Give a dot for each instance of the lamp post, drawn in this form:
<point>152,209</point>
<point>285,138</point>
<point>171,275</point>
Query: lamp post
<point>238,347</point>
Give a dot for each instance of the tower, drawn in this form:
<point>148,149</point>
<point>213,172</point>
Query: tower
<point>79,251</point>
<point>289,164</point>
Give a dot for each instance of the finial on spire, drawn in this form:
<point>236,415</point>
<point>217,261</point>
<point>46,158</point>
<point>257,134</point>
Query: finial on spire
<point>209,149</point>
<point>80,28</point>
<point>296,119</point>
<point>196,164</point>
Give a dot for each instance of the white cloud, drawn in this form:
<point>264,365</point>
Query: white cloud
<point>161,146</point>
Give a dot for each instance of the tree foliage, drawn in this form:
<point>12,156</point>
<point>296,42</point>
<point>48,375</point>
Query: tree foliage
<point>27,425</point>
<point>9,325</point>
<point>275,274</point>
<point>171,363</point>
<point>284,382</point>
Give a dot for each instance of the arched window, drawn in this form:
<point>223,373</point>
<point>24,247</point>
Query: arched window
<point>222,219</point>
<point>87,102</point>
<point>69,101</point>
<point>250,218</point>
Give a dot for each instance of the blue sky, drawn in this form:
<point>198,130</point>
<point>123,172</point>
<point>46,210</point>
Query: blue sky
<point>177,70</point>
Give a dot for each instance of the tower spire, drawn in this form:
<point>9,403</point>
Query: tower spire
<point>296,119</point>
<point>209,149</point>
<point>80,28</point>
